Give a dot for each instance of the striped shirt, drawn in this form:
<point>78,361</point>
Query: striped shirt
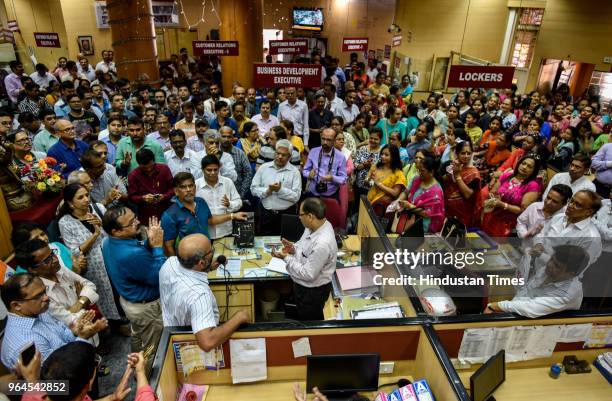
<point>46,332</point>
<point>186,297</point>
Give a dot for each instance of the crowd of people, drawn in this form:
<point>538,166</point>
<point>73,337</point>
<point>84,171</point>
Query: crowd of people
<point>151,175</point>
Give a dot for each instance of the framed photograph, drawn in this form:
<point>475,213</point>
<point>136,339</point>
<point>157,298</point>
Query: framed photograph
<point>86,45</point>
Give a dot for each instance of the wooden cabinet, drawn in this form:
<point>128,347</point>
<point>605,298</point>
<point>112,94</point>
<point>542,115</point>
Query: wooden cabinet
<point>234,297</point>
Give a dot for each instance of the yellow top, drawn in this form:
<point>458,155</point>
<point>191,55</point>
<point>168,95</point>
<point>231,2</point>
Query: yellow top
<point>297,143</point>
<point>395,178</point>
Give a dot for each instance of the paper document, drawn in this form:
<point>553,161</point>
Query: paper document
<point>248,360</point>
<point>231,268</point>
<point>498,341</point>
<point>260,242</point>
<point>599,336</point>
<point>573,333</point>
<point>301,347</point>
<point>474,345</point>
<point>544,341</point>
<point>190,355</point>
<point>277,265</point>
<point>518,346</point>
<point>389,310</point>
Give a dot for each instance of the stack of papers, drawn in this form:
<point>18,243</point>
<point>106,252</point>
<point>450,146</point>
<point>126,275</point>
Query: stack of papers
<point>248,358</point>
<point>389,310</point>
<point>277,265</point>
<point>231,268</point>
<point>604,363</point>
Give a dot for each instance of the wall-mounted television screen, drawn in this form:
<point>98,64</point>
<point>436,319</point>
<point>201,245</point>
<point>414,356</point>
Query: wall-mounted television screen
<point>308,18</point>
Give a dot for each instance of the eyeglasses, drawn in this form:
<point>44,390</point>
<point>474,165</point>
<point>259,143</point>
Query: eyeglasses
<point>132,223</point>
<point>46,261</point>
<point>35,297</point>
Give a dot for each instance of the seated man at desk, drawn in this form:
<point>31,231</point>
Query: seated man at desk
<point>532,220</point>
<point>186,295</point>
<point>189,214</point>
<point>311,262</point>
<point>550,288</point>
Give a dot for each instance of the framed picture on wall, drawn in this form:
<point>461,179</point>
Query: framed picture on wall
<point>86,45</point>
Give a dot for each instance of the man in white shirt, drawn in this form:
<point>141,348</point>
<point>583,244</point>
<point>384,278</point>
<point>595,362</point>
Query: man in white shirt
<point>212,146</point>
<point>85,69</point>
<point>181,159</point>
<point>311,262</point>
<point>348,110</point>
<point>331,100</point>
<point>575,178</point>
<point>219,193</point>
<point>533,219</point>
<point>554,287</point>
<point>278,184</point>
<point>107,65</point>
<point>295,111</point>
<point>186,297</point>
<point>215,96</point>
<point>42,77</point>
<point>264,120</point>
<point>575,227</point>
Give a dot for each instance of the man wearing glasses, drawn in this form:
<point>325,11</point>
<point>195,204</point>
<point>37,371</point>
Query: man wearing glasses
<point>187,298</point>
<point>133,267</point>
<point>68,150</point>
<point>189,214</point>
<point>25,297</point>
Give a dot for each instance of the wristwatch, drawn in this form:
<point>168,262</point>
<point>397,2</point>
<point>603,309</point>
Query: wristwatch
<point>82,301</point>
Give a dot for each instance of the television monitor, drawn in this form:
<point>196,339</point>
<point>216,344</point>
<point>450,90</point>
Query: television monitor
<point>308,18</point>
<point>342,375</point>
<point>488,378</point>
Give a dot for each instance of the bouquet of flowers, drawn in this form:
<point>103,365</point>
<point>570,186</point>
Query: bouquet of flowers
<point>41,177</point>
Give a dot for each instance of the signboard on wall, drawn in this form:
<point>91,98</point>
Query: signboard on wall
<point>165,14</point>
<point>396,41</point>
<point>470,76</point>
<point>278,75</point>
<point>215,47</point>
<point>46,39</point>
<point>291,46</point>
<point>354,44</point>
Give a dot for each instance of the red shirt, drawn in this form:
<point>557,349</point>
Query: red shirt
<point>159,182</point>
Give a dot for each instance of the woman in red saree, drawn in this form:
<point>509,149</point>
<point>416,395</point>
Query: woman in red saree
<point>461,185</point>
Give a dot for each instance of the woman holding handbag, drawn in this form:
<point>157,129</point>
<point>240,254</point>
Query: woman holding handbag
<point>424,197</point>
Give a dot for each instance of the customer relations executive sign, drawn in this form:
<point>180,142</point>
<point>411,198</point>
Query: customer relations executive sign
<point>470,76</point>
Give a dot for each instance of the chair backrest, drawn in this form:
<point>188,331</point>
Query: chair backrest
<point>291,227</point>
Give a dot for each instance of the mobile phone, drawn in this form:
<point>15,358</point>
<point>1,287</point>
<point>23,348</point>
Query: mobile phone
<point>28,354</point>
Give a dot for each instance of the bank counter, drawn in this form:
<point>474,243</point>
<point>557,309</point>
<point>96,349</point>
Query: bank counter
<point>408,344</point>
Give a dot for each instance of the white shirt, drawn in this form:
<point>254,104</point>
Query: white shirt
<point>314,261</point>
<point>335,102</point>
<point>190,163</point>
<point>62,295</point>
<point>531,218</point>
<point>291,185</point>
<point>603,222</point>
<point>564,178</point>
<point>348,114</point>
<point>209,104</point>
<point>43,81</point>
<point>537,299</point>
<point>558,232</point>
<point>372,73</point>
<point>213,197</point>
<point>264,125</point>
<point>297,114</point>
<point>186,297</point>
<point>106,67</point>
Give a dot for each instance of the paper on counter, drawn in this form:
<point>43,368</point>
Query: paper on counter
<point>573,333</point>
<point>599,336</point>
<point>248,360</point>
<point>277,265</point>
<point>544,341</point>
<point>518,345</point>
<point>301,347</point>
<point>474,345</point>
<point>231,268</point>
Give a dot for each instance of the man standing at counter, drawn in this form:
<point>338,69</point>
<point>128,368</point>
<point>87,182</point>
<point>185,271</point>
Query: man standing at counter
<point>186,296</point>
<point>311,261</point>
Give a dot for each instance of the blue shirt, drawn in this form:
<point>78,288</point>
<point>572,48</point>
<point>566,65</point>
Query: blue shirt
<point>413,147</point>
<point>46,332</point>
<point>133,268</point>
<point>178,221</point>
<point>337,171</point>
<point>112,150</point>
<point>71,157</point>
<point>230,122</point>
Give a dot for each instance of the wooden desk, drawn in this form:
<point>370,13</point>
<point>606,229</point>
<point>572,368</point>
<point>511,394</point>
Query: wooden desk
<point>535,384</point>
<point>273,391</point>
<point>237,292</point>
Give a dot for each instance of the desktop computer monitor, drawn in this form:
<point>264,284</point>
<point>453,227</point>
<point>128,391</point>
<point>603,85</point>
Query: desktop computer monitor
<point>291,227</point>
<point>488,378</point>
<point>341,376</point>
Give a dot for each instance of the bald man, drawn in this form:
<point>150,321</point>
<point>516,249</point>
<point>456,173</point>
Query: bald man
<point>68,150</point>
<point>186,296</point>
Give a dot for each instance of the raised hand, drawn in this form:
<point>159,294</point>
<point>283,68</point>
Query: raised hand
<point>155,233</point>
